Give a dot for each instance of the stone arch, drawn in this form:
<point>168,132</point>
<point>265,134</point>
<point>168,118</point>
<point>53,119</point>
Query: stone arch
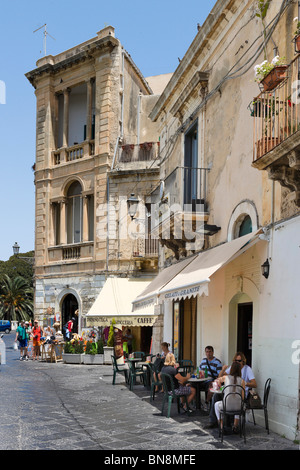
<point>244,209</point>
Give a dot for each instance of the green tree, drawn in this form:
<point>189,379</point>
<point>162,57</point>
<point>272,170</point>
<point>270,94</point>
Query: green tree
<point>16,298</point>
<point>16,266</point>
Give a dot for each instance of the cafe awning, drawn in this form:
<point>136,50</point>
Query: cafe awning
<point>115,302</point>
<point>149,296</point>
<point>193,278</point>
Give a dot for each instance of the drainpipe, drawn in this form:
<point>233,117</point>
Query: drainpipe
<point>138,117</point>
<point>122,98</point>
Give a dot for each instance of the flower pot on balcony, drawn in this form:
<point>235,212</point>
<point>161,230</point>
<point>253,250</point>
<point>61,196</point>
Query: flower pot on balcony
<point>96,359</point>
<point>296,41</point>
<point>277,75</point>
<point>265,145</point>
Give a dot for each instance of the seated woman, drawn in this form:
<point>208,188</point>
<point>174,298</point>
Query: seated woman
<point>233,403</point>
<point>159,361</point>
<point>180,383</point>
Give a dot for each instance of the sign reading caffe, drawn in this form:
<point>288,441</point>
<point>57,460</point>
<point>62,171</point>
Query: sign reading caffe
<point>127,321</point>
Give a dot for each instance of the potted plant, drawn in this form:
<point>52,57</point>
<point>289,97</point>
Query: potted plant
<point>94,353</point>
<point>109,348</point>
<point>73,352</point>
<point>270,74</point>
<point>296,39</point>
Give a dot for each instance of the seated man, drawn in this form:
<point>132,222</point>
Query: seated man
<point>213,366</point>
<point>247,376</point>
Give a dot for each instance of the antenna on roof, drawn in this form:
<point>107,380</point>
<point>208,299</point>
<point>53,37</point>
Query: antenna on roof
<point>45,36</point>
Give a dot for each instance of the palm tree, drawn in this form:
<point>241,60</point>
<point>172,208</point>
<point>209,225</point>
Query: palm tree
<point>15,299</point>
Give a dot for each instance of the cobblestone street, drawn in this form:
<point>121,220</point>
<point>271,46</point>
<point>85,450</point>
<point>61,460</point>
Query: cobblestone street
<point>76,407</point>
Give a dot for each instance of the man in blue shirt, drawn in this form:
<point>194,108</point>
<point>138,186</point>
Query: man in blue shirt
<point>212,367</point>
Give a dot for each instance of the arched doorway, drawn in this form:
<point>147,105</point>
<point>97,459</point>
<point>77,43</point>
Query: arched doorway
<point>68,308</point>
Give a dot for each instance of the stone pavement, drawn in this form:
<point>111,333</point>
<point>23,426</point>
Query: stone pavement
<point>60,406</point>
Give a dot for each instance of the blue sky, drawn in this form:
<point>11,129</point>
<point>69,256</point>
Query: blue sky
<point>154,33</point>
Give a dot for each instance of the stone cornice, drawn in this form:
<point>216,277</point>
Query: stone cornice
<point>203,37</point>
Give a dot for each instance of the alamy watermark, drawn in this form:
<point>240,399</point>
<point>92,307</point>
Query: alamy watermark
<point>2,92</point>
<point>296,354</point>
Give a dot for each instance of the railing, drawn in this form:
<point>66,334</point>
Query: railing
<point>193,184</point>
<point>276,113</point>
<point>71,154</point>
<point>71,253</point>
<point>146,248</point>
<point>148,151</point>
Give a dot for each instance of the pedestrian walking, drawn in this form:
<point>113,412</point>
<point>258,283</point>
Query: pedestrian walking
<point>21,336</point>
<point>37,333</point>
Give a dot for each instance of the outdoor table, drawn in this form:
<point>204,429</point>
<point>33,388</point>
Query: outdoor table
<point>197,383</point>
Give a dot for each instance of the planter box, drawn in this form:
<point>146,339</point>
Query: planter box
<point>108,352</point>
<point>72,358</point>
<point>93,359</point>
<point>274,78</point>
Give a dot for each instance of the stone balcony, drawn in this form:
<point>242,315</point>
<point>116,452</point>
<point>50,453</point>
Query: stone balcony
<point>73,153</point>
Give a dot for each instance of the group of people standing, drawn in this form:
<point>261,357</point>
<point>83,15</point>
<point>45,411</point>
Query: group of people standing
<point>24,333</point>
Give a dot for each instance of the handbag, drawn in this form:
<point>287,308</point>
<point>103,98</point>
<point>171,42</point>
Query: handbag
<point>254,400</point>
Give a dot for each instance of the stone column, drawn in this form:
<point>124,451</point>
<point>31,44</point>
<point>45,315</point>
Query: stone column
<point>66,117</point>
<point>89,103</point>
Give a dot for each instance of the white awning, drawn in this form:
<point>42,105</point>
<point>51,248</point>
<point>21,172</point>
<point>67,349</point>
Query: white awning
<point>194,279</point>
<point>191,277</point>
<point>115,301</point>
<point>150,294</point>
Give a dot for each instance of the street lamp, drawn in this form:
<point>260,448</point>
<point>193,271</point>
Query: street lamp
<point>132,203</point>
<point>28,259</point>
<point>16,248</point>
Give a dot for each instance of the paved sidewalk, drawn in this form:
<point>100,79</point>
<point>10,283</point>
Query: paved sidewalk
<point>62,406</point>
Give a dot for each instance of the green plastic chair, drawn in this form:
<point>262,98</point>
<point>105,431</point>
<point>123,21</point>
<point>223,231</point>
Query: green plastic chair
<point>119,369</point>
<point>134,373</point>
<point>155,382</point>
<point>169,394</point>
<point>186,365</point>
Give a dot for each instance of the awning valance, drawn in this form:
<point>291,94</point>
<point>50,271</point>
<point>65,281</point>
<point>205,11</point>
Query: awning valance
<point>194,277</point>
<point>149,295</point>
<point>115,301</point>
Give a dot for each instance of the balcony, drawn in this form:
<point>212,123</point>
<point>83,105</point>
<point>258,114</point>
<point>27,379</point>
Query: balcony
<point>74,153</point>
<point>137,156</point>
<point>181,210</point>
<point>276,123</point>
<point>145,252</point>
<point>71,252</point>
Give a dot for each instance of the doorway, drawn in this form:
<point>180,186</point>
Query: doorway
<point>69,307</point>
<point>184,329</point>
<point>244,330</point>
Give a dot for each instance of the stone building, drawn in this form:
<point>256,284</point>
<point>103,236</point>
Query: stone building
<point>229,202</point>
<point>95,146</point>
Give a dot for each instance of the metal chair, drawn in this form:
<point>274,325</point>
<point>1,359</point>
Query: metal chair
<point>134,373</point>
<point>169,394</point>
<point>264,405</point>
<point>119,369</point>
<point>240,410</point>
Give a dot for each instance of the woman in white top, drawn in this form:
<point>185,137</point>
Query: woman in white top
<point>233,402</point>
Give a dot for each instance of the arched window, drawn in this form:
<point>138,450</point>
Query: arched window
<point>246,226</point>
<point>74,213</point>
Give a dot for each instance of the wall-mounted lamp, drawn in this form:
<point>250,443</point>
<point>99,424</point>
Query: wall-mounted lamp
<point>132,203</point>
<point>265,269</point>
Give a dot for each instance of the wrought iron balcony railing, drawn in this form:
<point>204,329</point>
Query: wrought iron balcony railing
<point>276,112</point>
